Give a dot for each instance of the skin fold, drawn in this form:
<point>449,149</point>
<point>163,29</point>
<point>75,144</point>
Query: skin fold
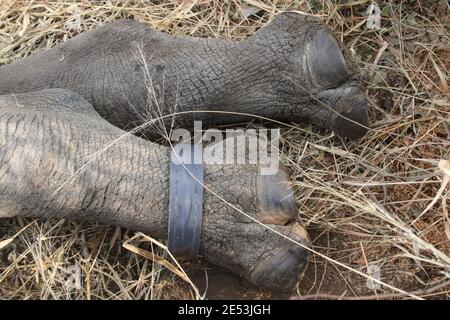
<point>291,70</point>
<point>60,158</point>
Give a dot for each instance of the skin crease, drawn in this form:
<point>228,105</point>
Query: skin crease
<point>291,70</point>
<point>51,167</point>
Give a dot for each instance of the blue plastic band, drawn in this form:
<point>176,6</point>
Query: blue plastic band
<point>186,200</point>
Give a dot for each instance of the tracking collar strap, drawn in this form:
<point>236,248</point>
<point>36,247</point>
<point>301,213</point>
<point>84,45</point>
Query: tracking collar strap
<point>186,200</point>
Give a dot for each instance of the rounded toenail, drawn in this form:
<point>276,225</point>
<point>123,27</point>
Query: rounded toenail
<point>275,198</point>
<point>326,63</point>
<point>284,267</point>
<point>351,119</point>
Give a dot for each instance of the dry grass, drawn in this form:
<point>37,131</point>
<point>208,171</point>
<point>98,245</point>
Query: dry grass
<point>377,206</point>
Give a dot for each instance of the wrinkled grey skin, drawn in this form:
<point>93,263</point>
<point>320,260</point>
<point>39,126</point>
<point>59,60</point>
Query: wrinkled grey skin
<point>54,162</point>
<point>291,70</point>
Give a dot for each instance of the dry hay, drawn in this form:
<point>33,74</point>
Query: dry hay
<point>378,206</point>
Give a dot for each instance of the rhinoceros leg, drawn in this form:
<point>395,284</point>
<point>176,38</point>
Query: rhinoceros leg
<point>59,158</point>
<point>291,70</point>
